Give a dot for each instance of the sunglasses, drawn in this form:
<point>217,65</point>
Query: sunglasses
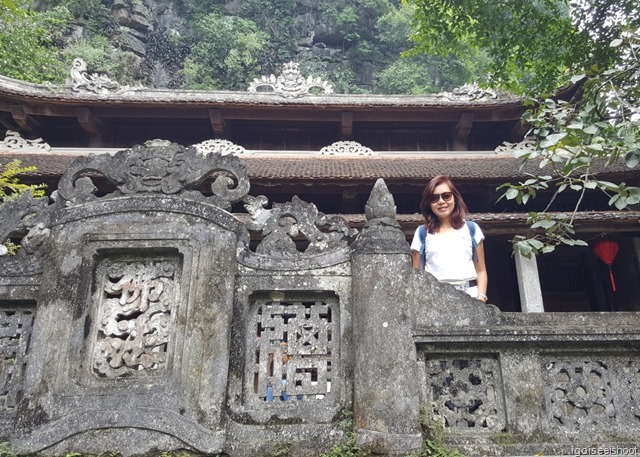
<point>446,196</point>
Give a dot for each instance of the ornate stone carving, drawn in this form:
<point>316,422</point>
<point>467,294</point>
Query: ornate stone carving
<point>580,394</point>
<point>90,82</point>
<point>467,393</point>
<point>13,140</point>
<point>297,219</point>
<point>223,147</point>
<point>290,83</point>
<point>158,168</point>
<point>526,145</point>
<point>293,352</point>
<point>15,332</point>
<point>135,319</point>
<point>469,92</point>
<point>346,148</point>
<point>20,214</point>
<point>631,384</point>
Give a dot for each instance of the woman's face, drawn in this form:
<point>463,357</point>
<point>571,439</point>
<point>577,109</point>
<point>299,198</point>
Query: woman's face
<point>442,201</point>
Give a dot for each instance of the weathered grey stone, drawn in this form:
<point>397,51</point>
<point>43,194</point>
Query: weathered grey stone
<point>153,319</point>
<point>386,400</point>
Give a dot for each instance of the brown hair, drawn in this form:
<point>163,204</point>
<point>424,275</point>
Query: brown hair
<point>431,221</point>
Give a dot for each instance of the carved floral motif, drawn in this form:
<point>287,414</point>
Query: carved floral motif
<point>159,167</point>
<point>90,82</point>
<point>526,145</point>
<point>135,321</point>
<point>223,147</point>
<point>13,140</point>
<point>297,219</point>
<point>290,83</point>
<point>346,148</point>
<point>581,394</point>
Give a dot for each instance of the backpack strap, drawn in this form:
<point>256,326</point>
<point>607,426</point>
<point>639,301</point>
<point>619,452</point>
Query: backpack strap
<point>474,244</point>
<point>422,234</point>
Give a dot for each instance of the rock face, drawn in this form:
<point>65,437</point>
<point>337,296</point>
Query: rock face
<point>145,26</point>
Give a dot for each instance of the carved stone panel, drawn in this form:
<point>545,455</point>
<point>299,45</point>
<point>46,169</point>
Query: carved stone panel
<point>292,349</point>
<point>135,318</point>
<point>631,382</point>
<point>580,394</point>
<point>467,394</point>
<point>15,332</point>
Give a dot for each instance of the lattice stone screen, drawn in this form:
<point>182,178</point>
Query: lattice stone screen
<point>15,332</point>
<point>581,394</point>
<point>136,307</point>
<point>467,393</point>
<point>292,349</point>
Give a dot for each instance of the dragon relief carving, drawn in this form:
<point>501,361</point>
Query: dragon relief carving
<point>90,82</point>
<point>293,221</point>
<point>159,167</point>
<point>290,83</point>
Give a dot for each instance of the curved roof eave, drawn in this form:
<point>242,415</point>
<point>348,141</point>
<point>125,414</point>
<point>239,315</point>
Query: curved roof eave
<point>26,92</point>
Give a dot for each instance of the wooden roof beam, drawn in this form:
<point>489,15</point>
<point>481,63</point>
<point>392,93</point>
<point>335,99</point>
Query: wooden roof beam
<point>518,131</point>
<point>23,119</point>
<point>218,124</point>
<point>89,122</point>
<point>346,125</point>
<point>461,132</point>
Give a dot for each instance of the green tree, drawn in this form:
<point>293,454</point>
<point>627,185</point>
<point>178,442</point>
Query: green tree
<point>224,54</point>
<point>536,46</point>
<point>30,42</point>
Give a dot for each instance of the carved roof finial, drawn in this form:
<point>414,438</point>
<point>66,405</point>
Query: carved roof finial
<point>290,83</point>
<point>90,82</point>
<point>380,204</point>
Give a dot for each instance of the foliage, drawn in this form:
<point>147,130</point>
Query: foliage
<point>578,137</point>
<point>10,185</point>
<point>349,448</point>
<point>420,74</point>
<point>535,47</point>
<point>532,43</point>
<point>30,41</point>
<point>102,57</point>
<point>433,434</point>
<point>277,20</point>
<point>224,54</point>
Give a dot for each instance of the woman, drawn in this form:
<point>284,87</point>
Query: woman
<point>449,252</point>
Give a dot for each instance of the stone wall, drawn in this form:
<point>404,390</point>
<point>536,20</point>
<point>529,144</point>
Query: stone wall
<point>152,318</point>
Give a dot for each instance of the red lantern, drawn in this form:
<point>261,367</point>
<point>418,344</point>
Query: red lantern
<point>606,250</point>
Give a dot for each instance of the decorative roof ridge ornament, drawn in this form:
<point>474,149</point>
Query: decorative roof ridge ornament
<point>469,92</point>
<point>291,83</point>
<point>294,220</point>
<point>158,167</point>
<point>83,81</point>
<point>224,147</point>
<point>346,148</point>
<point>13,140</point>
<point>528,144</point>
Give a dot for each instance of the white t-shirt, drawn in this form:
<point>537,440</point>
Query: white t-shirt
<point>449,254</point>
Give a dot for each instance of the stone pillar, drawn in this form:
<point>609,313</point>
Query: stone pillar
<point>529,284</point>
<point>386,398</point>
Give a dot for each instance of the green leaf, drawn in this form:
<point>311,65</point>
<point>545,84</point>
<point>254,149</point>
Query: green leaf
<point>512,193</point>
<point>544,223</point>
